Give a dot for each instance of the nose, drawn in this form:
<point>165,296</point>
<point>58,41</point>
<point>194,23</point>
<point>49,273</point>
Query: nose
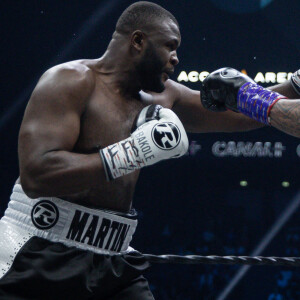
<point>174,59</point>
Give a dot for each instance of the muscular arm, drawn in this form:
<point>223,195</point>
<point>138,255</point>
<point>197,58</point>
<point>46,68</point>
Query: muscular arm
<point>187,105</point>
<point>285,116</point>
<point>49,131</point>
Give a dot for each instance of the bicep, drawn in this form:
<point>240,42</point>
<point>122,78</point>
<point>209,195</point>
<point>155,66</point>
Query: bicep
<point>196,118</point>
<point>51,121</point>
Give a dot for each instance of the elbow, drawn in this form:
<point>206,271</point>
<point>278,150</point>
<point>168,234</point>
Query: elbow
<point>34,176</point>
<point>30,186</point>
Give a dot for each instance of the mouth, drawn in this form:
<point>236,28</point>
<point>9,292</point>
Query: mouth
<point>167,73</point>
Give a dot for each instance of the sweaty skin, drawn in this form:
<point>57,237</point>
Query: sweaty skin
<point>82,106</point>
<point>65,125</point>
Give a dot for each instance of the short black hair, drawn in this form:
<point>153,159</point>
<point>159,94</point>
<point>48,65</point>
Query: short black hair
<point>141,14</point>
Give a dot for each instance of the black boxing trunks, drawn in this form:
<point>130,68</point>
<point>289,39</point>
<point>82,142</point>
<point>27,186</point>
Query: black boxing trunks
<point>54,249</point>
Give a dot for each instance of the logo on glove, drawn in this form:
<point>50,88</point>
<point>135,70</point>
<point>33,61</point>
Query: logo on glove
<point>44,214</point>
<point>165,136</point>
<point>229,73</point>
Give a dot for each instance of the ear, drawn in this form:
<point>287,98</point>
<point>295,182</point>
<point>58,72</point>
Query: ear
<point>138,40</point>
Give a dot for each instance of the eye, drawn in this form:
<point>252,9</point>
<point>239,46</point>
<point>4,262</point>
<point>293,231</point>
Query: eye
<point>171,46</point>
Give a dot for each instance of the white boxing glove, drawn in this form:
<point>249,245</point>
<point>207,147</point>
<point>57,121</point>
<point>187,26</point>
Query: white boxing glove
<point>159,135</point>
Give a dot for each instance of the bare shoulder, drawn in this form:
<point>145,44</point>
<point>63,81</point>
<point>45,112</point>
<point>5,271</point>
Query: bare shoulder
<point>171,94</point>
<point>72,70</point>
<point>73,78</point>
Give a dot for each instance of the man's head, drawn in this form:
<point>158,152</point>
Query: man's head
<point>154,36</point>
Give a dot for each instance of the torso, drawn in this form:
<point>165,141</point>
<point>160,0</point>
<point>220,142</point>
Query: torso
<point>108,118</point>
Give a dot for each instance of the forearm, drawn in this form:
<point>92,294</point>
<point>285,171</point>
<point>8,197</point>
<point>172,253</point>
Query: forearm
<point>285,89</point>
<point>245,123</point>
<point>59,173</point>
<point>282,111</point>
<point>285,116</point>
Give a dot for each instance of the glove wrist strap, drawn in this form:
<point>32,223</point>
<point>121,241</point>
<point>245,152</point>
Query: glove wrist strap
<point>120,159</point>
<point>256,102</point>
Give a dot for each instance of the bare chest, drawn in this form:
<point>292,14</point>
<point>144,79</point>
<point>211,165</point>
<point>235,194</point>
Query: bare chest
<point>107,120</point>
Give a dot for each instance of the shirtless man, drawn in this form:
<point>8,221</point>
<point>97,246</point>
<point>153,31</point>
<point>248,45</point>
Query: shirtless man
<point>89,126</point>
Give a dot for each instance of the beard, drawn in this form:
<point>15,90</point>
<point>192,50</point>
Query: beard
<point>150,71</point>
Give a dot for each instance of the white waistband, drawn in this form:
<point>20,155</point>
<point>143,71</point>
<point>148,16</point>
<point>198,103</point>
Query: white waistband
<point>74,225</point>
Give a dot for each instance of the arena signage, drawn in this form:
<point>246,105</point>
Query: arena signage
<point>248,149</point>
<point>260,77</point>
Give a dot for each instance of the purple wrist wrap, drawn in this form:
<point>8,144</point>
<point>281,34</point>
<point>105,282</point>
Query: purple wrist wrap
<point>255,101</point>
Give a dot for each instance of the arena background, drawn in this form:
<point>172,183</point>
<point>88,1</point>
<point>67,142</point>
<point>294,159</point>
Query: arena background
<point>233,194</point>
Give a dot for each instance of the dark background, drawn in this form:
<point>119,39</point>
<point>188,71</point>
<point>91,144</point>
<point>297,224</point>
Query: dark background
<point>195,204</point>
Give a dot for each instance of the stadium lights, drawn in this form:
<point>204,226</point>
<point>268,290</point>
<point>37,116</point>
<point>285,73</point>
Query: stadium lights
<point>243,183</point>
<point>285,184</point>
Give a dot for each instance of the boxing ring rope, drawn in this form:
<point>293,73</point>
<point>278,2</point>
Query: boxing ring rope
<point>226,260</point>
<point>255,259</point>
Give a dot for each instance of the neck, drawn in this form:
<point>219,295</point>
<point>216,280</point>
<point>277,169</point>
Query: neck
<point>118,68</point>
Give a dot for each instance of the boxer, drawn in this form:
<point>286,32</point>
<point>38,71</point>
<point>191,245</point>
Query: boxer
<point>88,129</point>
